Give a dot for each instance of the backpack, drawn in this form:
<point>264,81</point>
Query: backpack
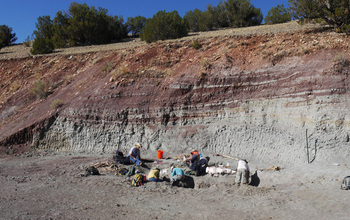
<point>122,172</point>
<point>137,180</point>
<point>92,171</point>
<point>346,183</point>
<point>120,159</point>
<point>131,171</point>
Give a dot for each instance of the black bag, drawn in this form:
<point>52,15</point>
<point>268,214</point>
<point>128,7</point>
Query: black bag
<point>120,159</point>
<point>346,183</point>
<point>123,171</point>
<point>92,171</point>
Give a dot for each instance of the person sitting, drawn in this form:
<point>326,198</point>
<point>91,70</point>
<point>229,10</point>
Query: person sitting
<point>134,154</point>
<point>242,175</point>
<point>153,175</point>
<point>203,164</point>
<point>177,175</point>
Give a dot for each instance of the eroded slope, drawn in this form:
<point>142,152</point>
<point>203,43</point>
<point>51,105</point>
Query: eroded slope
<point>256,96</point>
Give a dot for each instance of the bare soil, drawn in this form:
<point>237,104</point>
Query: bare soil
<point>52,187</point>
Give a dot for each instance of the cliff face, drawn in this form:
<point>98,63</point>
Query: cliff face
<point>262,97</point>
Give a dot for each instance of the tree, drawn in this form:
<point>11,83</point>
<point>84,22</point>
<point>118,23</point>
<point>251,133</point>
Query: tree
<point>305,9</point>
<point>81,25</point>
<point>197,20</point>
<point>135,25</point>
<point>44,27</point>
<point>335,12</point>
<point>60,30</point>
<point>241,13</point>
<point>162,26</point>
<point>88,25</point>
<point>219,15</point>
<point>6,36</point>
<point>278,14</point>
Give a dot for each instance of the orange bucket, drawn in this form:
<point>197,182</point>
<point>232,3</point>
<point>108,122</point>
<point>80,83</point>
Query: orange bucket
<point>160,154</point>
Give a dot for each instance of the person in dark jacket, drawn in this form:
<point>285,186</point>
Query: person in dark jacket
<point>203,164</point>
<point>193,161</point>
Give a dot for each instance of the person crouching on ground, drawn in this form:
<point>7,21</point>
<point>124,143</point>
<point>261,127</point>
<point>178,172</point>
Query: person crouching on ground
<point>242,175</point>
<point>134,154</point>
<point>203,164</point>
<point>153,175</point>
<point>177,175</point>
<point>193,162</point>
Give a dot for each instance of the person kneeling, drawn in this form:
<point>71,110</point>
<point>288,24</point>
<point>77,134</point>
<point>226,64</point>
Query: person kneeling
<point>153,175</point>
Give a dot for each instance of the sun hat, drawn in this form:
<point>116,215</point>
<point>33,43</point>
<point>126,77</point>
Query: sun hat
<point>138,145</point>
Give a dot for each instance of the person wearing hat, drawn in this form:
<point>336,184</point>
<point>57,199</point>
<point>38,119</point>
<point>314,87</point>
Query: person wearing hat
<point>193,162</point>
<point>134,154</point>
<point>242,175</point>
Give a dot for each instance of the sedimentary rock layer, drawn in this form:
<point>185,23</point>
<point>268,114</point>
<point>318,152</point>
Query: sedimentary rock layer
<point>264,97</point>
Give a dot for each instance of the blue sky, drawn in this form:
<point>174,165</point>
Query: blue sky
<point>21,15</point>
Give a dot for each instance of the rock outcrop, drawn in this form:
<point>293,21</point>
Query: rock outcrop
<point>263,97</point>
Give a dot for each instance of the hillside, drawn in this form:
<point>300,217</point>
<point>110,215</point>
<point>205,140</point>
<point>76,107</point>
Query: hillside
<point>276,95</point>
<point>253,96</point>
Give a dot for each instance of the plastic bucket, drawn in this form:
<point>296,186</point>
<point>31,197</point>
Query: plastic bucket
<point>160,154</point>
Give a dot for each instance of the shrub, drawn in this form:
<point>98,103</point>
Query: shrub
<point>196,45</point>
<point>56,103</point>
<point>341,62</point>
<point>40,89</point>
<point>42,46</point>
<point>108,67</point>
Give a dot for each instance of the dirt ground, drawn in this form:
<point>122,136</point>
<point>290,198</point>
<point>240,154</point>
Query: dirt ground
<point>20,50</point>
<point>51,186</point>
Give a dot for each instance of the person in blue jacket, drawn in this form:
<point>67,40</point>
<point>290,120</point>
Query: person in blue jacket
<point>177,175</point>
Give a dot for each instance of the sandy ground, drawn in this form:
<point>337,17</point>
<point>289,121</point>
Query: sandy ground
<point>51,187</point>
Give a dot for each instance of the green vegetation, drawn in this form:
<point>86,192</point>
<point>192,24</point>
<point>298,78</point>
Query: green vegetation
<point>230,13</point>
<point>108,67</point>
<point>241,13</point>
<point>335,12</point>
<point>278,14</point>
<point>163,26</point>
<point>135,25</point>
<point>341,62</point>
<point>56,103</point>
<point>82,25</point>
<point>197,20</point>
<point>42,46</point>
<point>6,36</point>
<point>40,89</point>
<point>196,45</point>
